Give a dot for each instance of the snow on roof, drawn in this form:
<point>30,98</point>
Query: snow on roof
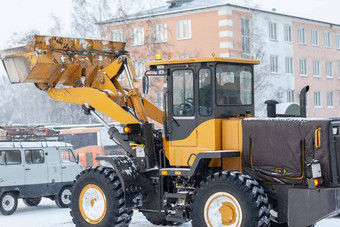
<point>188,5</point>
<point>34,144</point>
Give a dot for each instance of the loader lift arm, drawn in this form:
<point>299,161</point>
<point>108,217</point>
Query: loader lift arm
<point>88,71</point>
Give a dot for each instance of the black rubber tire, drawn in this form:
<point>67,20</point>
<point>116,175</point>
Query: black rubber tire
<point>107,180</point>
<point>63,198</point>
<point>247,192</point>
<point>157,218</point>
<point>4,201</point>
<point>32,202</point>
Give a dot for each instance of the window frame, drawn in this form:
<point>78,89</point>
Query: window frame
<point>274,64</point>
<point>302,35</point>
<point>330,99</point>
<point>315,37</point>
<point>121,35</point>
<point>160,33</point>
<point>272,31</point>
<point>317,99</point>
<point>329,69</point>
<point>303,62</point>
<point>135,39</point>
<point>193,93</point>
<point>289,64</point>
<point>181,25</point>
<point>34,162</point>
<point>288,33</point>
<point>318,67</point>
<point>327,39</point>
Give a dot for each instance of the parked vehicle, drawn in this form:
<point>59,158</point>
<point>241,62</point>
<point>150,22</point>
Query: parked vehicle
<point>32,170</point>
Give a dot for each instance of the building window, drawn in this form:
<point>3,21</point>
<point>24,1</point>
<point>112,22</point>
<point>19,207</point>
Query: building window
<point>317,98</point>
<point>184,56</point>
<point>330,99</point>
<point>327,37</point>
<point>160,32</point>
<point>288,33</point>
<point>137,36</point>
<point>183,29</point>
<point>289,65</point>
<point>272,31</point>
<point>290,95</point>
<point>316,68</point>
<point>337,41</point>
<point>329,69</point>
<point>302,35</point>
<point>274,67</point>
<point>245,38</point>
<point>139,66</point>
<point>315,37</point>
<point>117,35</point>
<point>303,67</point>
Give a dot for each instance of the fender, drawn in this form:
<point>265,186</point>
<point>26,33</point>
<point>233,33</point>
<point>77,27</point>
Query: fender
<point>129,177</point>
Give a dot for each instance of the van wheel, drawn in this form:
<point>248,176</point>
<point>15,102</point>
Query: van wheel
<point>98,199</point>
<point>63,199</point>
<point>229,199</point>
<point>8,203</point>
<point>32,202</point>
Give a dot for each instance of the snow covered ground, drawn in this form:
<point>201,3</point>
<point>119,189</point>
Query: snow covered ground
<point>47,214</point>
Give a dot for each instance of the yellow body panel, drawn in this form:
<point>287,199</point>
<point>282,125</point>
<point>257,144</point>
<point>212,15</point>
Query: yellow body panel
<point>232,140</point>
<point>212,135</point>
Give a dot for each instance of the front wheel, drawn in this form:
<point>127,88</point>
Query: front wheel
<point>63,199</point>
<point>229,199</point>
<point>8,203</point>
<point>98,199</point>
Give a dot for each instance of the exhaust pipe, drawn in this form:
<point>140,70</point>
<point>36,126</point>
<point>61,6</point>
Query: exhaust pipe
<point>271,107</point>
<point>303,92</point>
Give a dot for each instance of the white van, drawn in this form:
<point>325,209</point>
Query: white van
<point>32,170</point>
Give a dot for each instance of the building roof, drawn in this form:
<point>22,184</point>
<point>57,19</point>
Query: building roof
<point>191,5</point>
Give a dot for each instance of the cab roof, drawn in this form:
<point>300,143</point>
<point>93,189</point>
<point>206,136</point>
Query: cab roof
<point>206,59</point>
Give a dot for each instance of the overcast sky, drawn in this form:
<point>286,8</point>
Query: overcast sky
<point>22,15</point>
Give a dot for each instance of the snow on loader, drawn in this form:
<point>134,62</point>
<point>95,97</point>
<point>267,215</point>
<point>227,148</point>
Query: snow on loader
<point>212,163</point>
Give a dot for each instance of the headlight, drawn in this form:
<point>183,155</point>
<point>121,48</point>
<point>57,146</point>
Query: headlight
<point>335,130</point>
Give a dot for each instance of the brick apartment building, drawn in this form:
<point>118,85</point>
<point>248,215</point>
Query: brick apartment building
<point>293,51</point>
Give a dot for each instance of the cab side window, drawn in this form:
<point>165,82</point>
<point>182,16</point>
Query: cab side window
<point>67,156</point>
<point>10,157</point>
<point>34,156</point>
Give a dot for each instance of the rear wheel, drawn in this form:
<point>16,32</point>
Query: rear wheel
<point>63,199</point>
<point>229,199</point>
<point>32,202</point>
<point>98,199</point>
<point>8,203</point>
<point>157,218</point>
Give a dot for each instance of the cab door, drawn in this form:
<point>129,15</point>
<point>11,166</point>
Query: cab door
<point>182,108</point>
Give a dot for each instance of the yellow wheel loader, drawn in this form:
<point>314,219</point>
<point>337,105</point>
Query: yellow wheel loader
<point>212,162</point>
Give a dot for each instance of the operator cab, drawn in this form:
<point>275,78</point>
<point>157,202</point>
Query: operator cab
<point>200,89</point>
<point>198,94</point>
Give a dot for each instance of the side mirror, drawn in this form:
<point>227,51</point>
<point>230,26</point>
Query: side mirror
<point>145,84</point>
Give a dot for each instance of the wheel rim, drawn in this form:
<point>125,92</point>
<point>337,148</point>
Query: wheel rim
<point>66,196</point>
<point>222,209</point>
<point>8,203</point>
<point>92,204</point>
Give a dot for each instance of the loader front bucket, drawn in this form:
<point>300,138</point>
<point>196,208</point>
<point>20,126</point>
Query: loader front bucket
<point>52,60</point>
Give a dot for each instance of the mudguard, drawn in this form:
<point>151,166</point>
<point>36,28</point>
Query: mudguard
<point>129,177</point>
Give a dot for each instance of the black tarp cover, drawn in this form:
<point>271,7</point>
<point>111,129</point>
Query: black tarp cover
<point>280,149</point>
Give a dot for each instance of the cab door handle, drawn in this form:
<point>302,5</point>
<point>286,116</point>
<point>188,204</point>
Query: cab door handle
<point>27,168</point>
<point>63,167</point>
